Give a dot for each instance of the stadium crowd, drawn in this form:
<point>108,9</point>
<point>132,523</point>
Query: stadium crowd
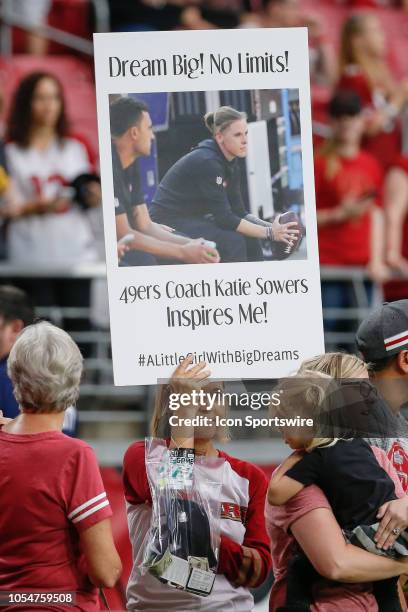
<point>49,181</point>
<point>50,213</point>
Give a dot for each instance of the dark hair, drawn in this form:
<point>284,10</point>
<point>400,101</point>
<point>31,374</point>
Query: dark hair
<point>345,103</point>
<point>266,3</point>
<point>124,113</point>
<point>20,118</point>
<point>380,364</point>
<point>15,305</point>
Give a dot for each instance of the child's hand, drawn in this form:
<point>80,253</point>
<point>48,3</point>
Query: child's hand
<point>188,377</point>
<point>393,515</point>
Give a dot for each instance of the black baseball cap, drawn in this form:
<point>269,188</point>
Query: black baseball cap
<point>384,333</point>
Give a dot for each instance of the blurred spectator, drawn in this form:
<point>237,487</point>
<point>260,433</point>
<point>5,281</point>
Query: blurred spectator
<point>7,199</point>
<point>16,311</point>
<point>348,196</point>
<point>396,208</point>
<point>7,194</point>
<point>364,69</point>
<point>173,14</point>
<point>47,227</point>
<point>34,14</point>
<point>378,3</point>
<point>288,14</point>
<point>147,14</point>
<point>213,14</point>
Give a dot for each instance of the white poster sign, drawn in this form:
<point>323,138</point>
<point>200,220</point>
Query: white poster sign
<point>208,200</point>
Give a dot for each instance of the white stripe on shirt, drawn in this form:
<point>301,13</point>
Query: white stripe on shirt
<point>91,511</point>
<point>86,504</point>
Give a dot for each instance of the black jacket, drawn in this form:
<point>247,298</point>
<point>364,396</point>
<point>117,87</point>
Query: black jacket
<point>200,183</point>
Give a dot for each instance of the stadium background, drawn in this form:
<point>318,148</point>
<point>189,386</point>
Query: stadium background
<point>56,36</point>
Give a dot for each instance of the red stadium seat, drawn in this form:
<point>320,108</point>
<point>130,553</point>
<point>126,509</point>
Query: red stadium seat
<point>77,80</point>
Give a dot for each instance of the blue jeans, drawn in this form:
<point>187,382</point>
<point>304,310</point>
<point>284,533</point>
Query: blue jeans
<point>138,258</point>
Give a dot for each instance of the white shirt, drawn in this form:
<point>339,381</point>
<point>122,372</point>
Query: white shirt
<point>145,592</point>
<point>54,238</point>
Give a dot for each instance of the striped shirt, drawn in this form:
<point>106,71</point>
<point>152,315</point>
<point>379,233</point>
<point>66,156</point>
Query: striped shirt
<point>242,524</point>
<point>50,491</point>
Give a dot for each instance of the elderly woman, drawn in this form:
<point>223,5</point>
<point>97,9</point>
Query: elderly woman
<point>54,509</point>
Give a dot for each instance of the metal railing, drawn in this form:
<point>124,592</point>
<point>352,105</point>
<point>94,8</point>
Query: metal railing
<point>9,18</point>
<point>98,378</point>
<point>356,279</point>
<point>103,404</point>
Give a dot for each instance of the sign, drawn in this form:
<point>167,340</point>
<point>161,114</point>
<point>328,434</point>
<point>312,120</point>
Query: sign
<point>208,200</point>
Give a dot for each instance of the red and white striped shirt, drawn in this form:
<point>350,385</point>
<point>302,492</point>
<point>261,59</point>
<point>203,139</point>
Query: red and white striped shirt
<point>50,491</point>
<point>242,524</point>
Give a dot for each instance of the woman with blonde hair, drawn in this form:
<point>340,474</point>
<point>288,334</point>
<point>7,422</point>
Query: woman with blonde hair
<point>307,518</point>
<point>336,365</point>
<point>364,69</point>
<point>244,559</point>
<point>56,534</point>
<point>200,195</point>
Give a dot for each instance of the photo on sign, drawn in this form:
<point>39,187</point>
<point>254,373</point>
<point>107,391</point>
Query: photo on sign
<point>207,177</point>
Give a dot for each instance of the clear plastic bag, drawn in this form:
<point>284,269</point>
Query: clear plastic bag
<point>182,545</point>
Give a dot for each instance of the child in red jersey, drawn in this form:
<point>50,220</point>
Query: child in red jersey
<point>348,197</point>
<point>244,560</point>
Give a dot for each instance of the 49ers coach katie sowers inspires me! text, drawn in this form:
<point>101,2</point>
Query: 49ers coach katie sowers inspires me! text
<point>219,288</point>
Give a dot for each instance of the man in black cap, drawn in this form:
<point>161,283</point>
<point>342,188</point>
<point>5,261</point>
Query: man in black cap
<point>382,339</point>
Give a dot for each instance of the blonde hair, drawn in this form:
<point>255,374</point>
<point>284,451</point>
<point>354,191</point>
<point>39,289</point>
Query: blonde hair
<point>221,119</point>
<point>337,365</point>
<point>161,405</point>
<point>159,424</point>
<point>376,70</point>
<point>308,389</point>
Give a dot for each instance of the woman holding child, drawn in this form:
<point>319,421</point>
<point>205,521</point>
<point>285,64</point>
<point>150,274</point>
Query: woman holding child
<point>307,519</point>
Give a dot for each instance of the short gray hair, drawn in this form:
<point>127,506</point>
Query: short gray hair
<point>45,367</point>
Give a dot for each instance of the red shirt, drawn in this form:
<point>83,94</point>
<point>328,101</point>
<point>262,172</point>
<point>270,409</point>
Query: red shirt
<point>385,145</point>
<point>347,243</point>
<point>373,3</point>
<point>50,491</point>
<point>398,290</point>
